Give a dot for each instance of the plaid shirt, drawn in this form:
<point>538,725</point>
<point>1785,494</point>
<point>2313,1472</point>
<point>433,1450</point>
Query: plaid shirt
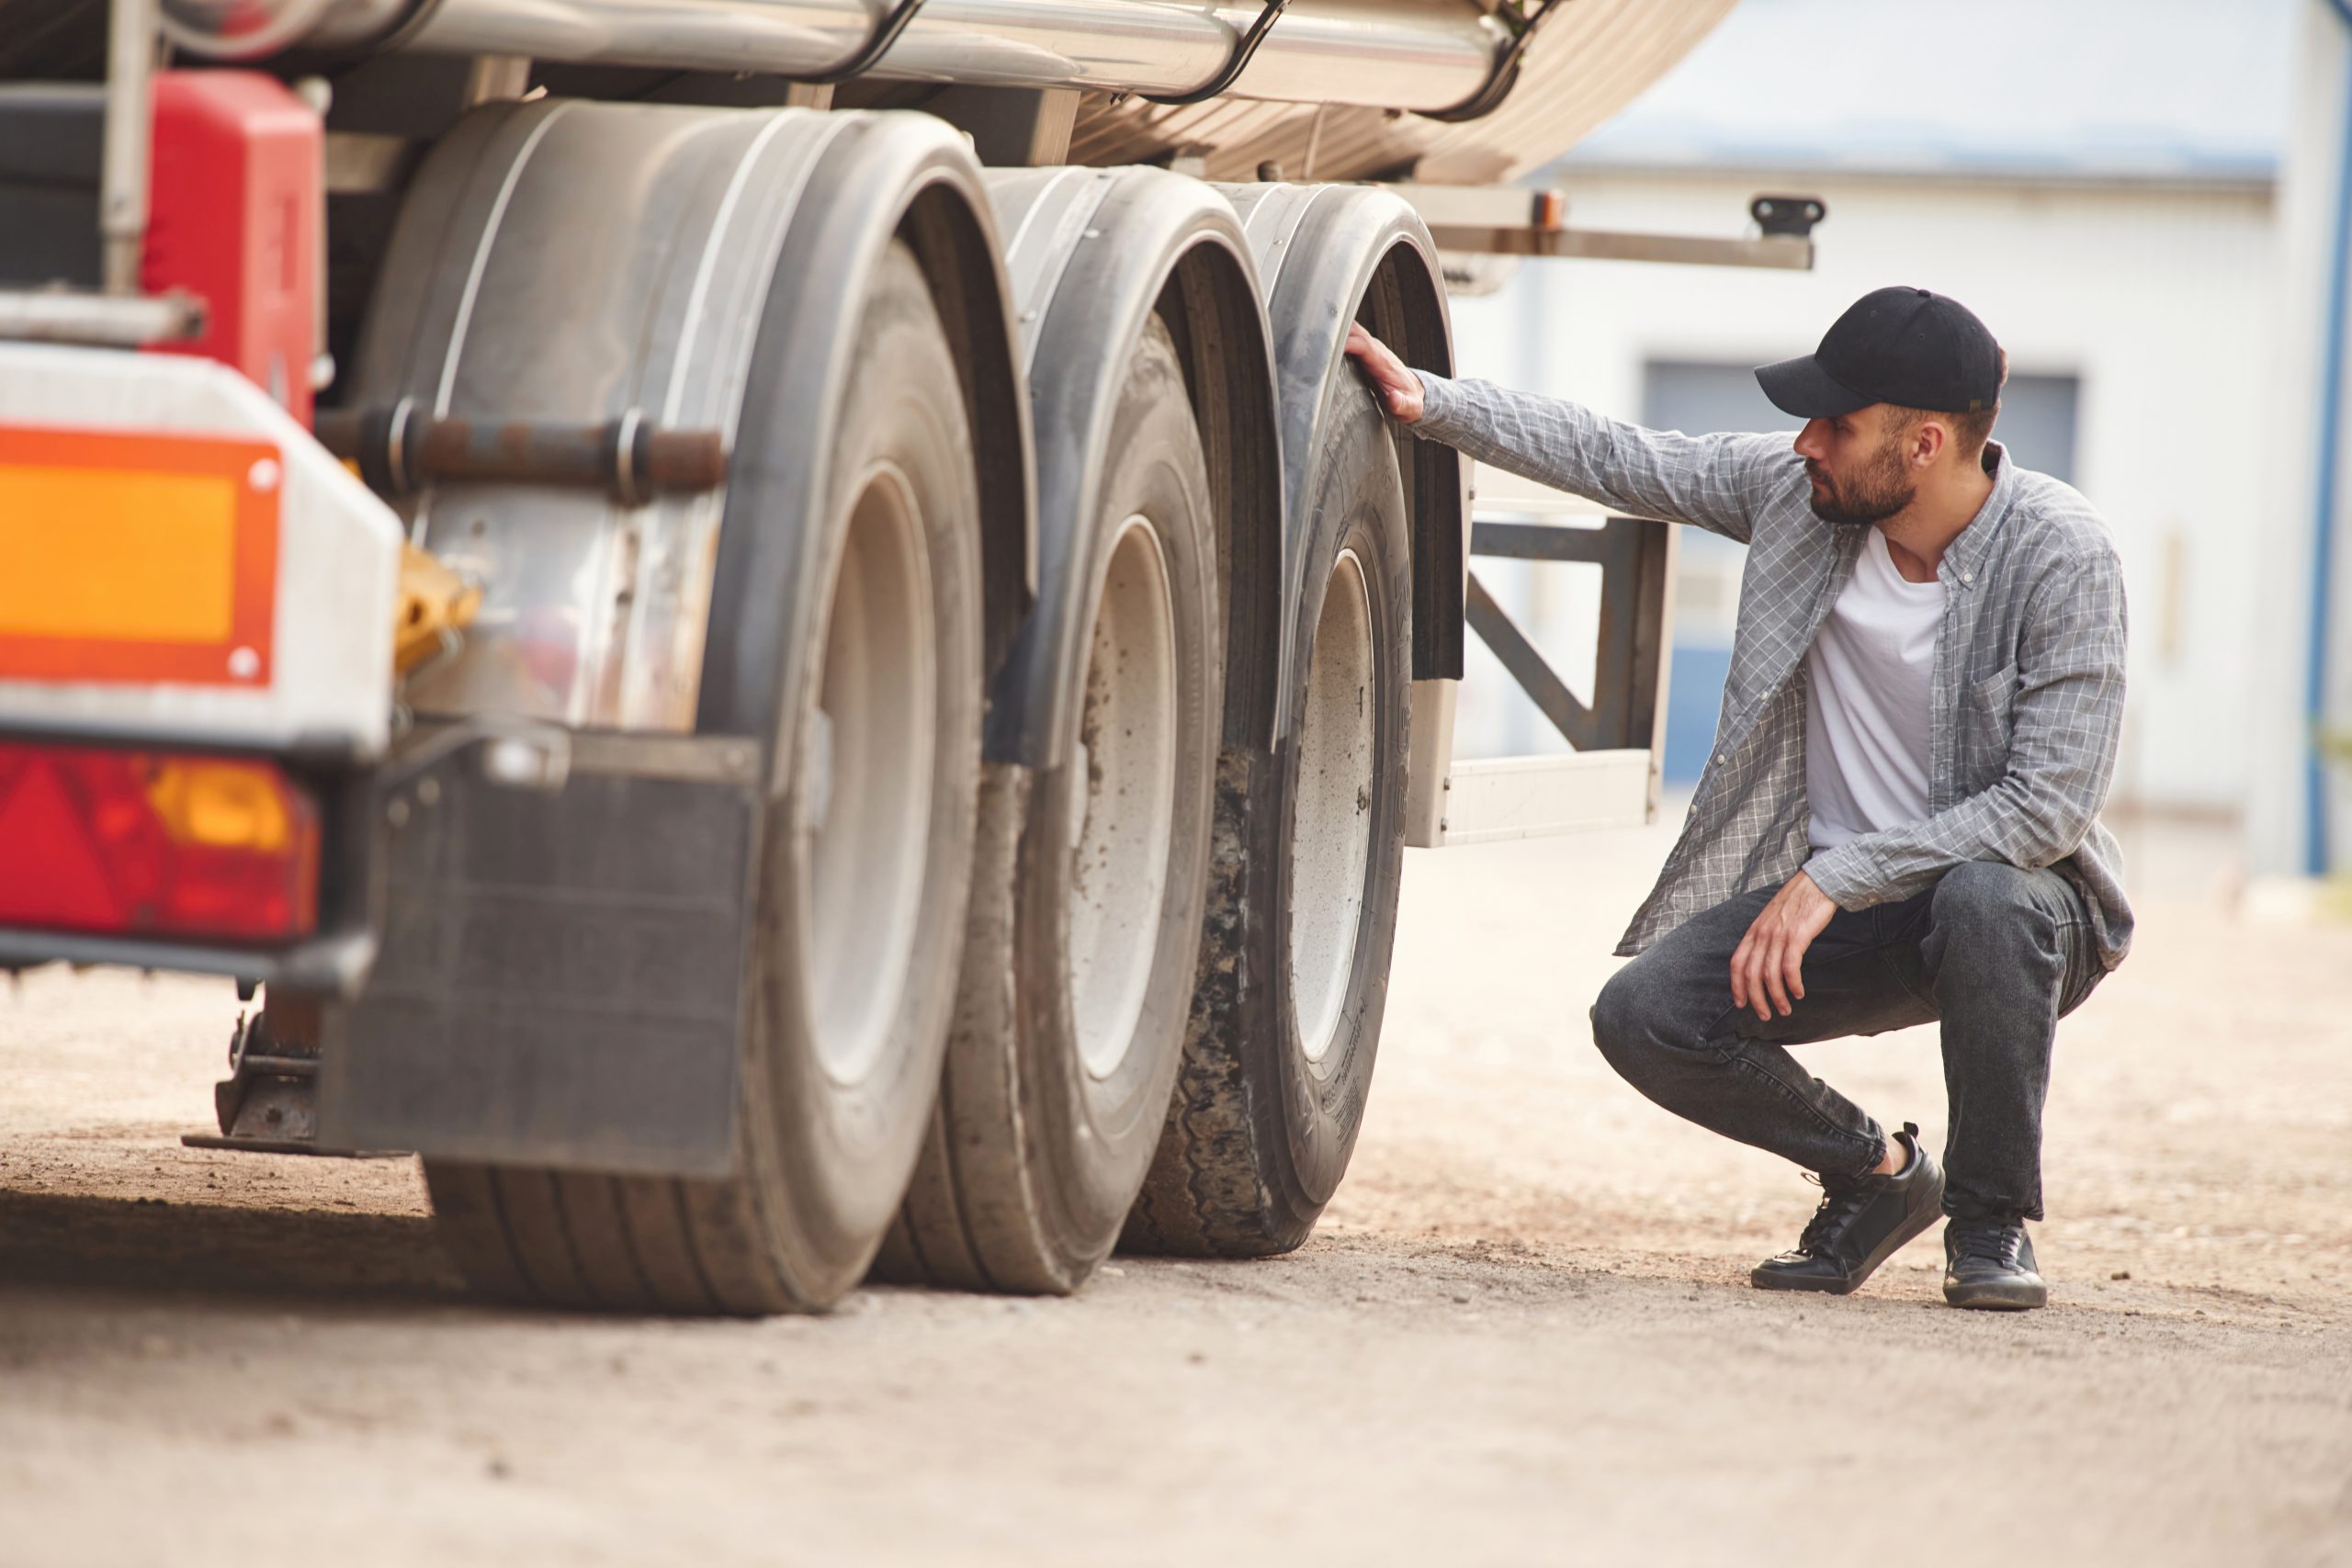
<point>2029,667</point>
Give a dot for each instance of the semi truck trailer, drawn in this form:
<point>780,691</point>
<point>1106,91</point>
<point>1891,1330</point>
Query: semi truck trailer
<point>774,631</point>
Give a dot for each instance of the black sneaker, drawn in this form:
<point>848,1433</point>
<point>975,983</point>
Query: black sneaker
<point>1861,1222</point>
<point>1988,1265</point>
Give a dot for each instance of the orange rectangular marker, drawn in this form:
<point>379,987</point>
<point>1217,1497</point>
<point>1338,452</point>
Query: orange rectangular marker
<point>137,557</point>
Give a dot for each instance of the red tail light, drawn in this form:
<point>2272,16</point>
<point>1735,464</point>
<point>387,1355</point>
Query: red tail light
<point>155,844</point>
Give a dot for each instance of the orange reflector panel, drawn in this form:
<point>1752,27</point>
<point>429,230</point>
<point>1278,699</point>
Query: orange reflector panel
<point>137,557</point>
<point>146,844</point>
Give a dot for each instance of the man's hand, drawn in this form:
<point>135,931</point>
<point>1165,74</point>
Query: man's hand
<point>1768,967</point>
<point>1399,389</point>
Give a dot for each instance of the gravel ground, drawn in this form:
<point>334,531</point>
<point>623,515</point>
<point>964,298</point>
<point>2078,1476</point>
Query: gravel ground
<point>1524,1331</point>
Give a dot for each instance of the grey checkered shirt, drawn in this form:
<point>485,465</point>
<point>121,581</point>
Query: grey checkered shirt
<point>2029,669</point>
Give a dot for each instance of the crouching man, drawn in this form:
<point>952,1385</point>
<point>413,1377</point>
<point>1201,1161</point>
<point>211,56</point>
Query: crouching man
<point>1899,821</point>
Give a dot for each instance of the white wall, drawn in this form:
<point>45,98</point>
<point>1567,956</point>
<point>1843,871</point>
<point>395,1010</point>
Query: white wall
<point>2158,299</point>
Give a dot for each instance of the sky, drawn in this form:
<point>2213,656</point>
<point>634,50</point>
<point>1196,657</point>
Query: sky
<point>2090,87</point>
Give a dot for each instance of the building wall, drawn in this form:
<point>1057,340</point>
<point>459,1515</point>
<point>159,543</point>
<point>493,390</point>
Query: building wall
<point>2158,299</point>
<point>2277,840</point>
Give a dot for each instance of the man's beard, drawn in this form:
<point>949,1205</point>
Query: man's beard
<point>1875,494</point>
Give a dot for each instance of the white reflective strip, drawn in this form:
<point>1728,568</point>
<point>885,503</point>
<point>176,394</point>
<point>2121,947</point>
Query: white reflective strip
<point>482,260</point>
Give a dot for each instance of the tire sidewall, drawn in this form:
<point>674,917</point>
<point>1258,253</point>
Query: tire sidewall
<point>1099,1134</point>
<point>1358,504</point>
<point>832,1159</point>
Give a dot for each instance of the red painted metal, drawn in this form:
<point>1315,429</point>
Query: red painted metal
<point>234,216</point>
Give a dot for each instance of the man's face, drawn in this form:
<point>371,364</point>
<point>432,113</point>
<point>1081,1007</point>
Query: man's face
<point>1855,462</point>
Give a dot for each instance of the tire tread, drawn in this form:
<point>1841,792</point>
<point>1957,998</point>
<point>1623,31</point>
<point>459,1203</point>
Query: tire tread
<point>628,1243</point>
<point>1224,1181</point>
<point>979,1215</point>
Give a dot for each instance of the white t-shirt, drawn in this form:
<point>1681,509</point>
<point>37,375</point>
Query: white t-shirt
<point>1866,731</point>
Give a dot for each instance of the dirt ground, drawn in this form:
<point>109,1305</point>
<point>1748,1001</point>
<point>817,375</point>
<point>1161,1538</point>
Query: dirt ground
<point>1522,1334</point>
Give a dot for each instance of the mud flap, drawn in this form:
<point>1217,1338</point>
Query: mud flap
<point>561,978</point>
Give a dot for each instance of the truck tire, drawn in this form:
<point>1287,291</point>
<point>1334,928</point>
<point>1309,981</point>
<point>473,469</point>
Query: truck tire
<point>862,886</point>
<point>1078,969</point>
<point>1302,915</point>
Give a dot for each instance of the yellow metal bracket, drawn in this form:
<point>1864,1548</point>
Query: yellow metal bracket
<point>435,602</point>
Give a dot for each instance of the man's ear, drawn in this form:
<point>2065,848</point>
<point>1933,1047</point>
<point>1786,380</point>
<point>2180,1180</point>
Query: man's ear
<point>1929,440</point>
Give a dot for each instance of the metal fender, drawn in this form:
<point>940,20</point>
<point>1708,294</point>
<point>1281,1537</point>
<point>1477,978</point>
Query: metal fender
<point>586,263</point>
<point>882,175</point>
<point>1329,255</point>
<point>1092,254</point>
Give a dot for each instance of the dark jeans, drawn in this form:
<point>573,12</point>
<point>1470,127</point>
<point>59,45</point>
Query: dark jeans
<point>1999,954</point>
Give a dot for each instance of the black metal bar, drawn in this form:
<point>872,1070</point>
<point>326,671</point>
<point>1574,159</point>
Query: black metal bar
<point>1614,658</point>
<point>1245,49</point>
<point>1522,26</point>
<point>1651,587</point>
<point>1544,541</point>
<point>283,1066</point>
<point>1570,716</point>
<point>1628,644</point>
<point>869,54</point>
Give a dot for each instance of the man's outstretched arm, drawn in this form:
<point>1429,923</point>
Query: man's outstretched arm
<point>1711,480</point>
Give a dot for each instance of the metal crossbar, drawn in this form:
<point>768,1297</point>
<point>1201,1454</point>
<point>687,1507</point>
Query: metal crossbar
<point>1632,558</point>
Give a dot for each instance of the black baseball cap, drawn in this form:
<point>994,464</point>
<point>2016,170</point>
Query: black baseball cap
<point>1907,347</point>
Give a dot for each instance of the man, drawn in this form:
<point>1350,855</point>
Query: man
<point>1899,820</point>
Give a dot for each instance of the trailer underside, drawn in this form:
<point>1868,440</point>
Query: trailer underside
<point>911,671</point>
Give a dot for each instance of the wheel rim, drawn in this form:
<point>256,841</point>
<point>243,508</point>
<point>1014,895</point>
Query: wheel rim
<point>1123,799</point>
<point>866,780</point>
<point>1332,816</point>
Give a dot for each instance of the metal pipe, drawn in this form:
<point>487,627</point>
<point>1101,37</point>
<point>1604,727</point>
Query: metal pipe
<point>128,141</point>
<point>1405,54</point>
<point>100,320</point>
<point>399,451</point>
<point>1780,252</point>
<point>2331,434</point>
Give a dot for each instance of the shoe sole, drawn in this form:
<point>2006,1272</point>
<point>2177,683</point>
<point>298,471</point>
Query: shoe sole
<point>1997,1298</point>
<point>1813,1286</point>
<point>1910,1231</point>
